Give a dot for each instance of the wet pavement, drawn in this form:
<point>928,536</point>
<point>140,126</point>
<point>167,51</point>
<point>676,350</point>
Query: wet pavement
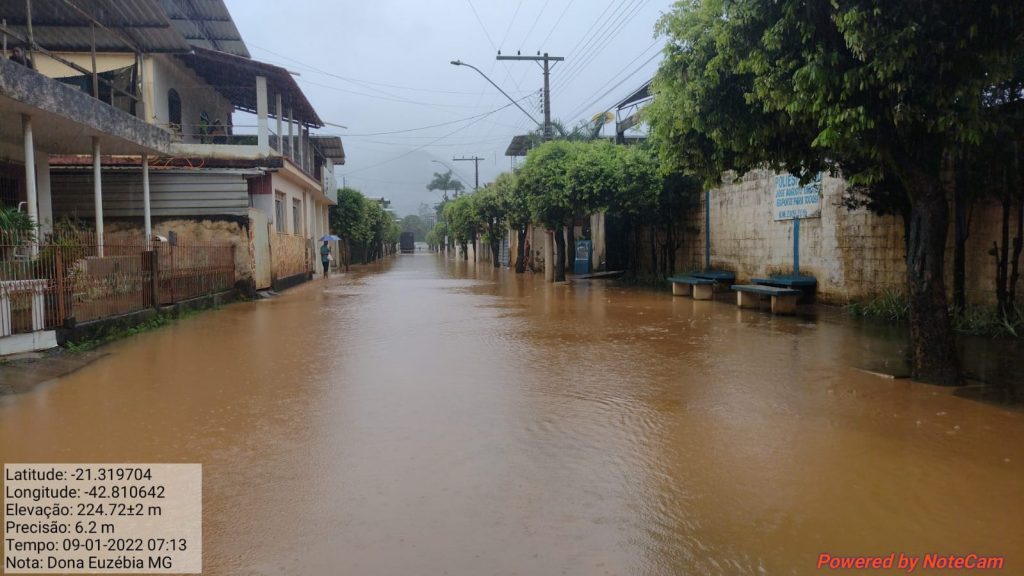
<point>424,416</point>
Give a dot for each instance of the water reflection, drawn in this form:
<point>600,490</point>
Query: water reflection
<point>426,417</point>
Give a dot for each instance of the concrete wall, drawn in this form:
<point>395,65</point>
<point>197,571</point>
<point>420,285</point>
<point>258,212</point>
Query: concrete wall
<point>288,256</point>
<point>291,193</point>
<point>854,254</point>
<point>161,74</point>
<point>105,62</point>
<point>190,231</point>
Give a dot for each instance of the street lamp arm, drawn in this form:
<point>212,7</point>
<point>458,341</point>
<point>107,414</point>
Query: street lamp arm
<point>451,171</point>
<point>461,63</point>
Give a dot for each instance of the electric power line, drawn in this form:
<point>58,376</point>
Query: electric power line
<point>359,82</point>
<point>534,25</point>
<point>422,146</point>
<point>387,98</point>
<point>619,83</point>
<point>511,22</point>
<point>583,38</point>
<point>557,22</point>
<point>599,43</point>
<point>485,114</point>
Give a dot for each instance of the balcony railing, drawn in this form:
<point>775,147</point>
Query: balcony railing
<point>239,140</point>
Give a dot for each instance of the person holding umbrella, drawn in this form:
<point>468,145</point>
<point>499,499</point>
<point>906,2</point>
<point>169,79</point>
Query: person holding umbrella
<point>325,253</point>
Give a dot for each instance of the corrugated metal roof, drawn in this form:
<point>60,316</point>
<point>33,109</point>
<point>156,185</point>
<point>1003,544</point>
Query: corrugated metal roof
<point>235,78</point>
<point>206,24</point>
<point>330,147</point>
<point>641,93</point>
<point>58,27</point>
<point>518,146</point>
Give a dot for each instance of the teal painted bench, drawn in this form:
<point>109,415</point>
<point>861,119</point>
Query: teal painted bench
<point>783,299</point>
<point>787,281</point>
<point>696,288</point>
<point>805,284</point>
<point>723,276</point>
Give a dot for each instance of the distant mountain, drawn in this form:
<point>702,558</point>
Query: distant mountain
<point>404,180</point>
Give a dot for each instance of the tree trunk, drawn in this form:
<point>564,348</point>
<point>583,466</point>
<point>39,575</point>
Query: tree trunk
<point>961,232</point>
<point>1018,241</point>
<point>572,243</point>
<point>670,250</point>
<point>559,254</point>
<point>635,249</point>
<point>521,251</point>
<point>465,251</point>
<point>665,255</point>
<point>932,342</point>
<point>652,241</point>
<point>1002,254</point>
<point>495,246</point>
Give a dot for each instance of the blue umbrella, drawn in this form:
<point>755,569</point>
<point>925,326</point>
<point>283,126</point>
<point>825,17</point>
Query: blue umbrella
<point>329,237</point>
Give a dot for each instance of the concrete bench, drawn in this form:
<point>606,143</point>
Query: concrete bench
<point>805,284</point>
<point>696,288</point>
<point>783,299</point>
<point>787,281</point>
<point>723,276</point>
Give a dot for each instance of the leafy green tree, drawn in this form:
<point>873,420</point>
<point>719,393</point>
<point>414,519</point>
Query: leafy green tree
<point>462,221</point>
<point>544,179</point>
<point>490,215</point>
<point>869,88</point>
<point>364,225</point>
<point>595,175</point>
<point>413,223</point>
<point>436,236</point>
<point>380,228</point>
<point>346,220</point>
<point>516,212</point>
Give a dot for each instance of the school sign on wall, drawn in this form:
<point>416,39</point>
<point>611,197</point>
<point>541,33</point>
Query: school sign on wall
<point>793,201</point>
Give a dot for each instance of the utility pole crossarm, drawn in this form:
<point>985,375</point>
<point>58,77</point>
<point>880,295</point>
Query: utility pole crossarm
<point>476,163</point>
<point>547,60</point>
<point>545,57</point>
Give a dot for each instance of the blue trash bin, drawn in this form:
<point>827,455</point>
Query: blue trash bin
<point>584,251</point>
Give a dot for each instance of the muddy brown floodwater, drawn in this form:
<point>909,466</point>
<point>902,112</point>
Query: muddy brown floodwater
<point>429,417</point>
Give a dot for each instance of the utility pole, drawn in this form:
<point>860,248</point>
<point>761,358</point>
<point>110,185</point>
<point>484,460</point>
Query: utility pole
<point>476,163</point>
<point>547,60</point>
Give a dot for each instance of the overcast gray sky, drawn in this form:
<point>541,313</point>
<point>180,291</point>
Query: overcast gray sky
<point>381,68</point>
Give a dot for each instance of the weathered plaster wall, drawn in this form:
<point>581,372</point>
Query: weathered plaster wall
<point>163,73</point>
<point>854,254</point>
<point>294,194</point>
<point>288,256</point>
<point>67,117</point>
<point>105,62</point>
<point>190,231</point>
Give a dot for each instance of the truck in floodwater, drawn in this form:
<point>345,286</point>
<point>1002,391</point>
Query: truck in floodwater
<point>407,242</point>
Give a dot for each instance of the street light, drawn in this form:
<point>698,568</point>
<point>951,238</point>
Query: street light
<point>461,63</point>
<point>452,170</point>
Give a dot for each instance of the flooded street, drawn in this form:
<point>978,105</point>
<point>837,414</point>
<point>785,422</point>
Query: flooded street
<point>425,416</point>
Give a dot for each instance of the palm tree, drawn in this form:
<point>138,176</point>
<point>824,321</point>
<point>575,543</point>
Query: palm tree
<point>445,182</point>
<point>585,131</point>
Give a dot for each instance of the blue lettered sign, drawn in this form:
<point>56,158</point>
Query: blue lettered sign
<point>795,201</point>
